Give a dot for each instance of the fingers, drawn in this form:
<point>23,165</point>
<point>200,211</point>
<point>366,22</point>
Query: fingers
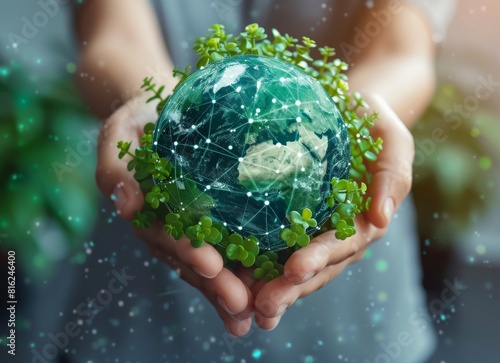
<point>232,300</point>
<point>325,250</point>
<point>205,260</point>
<point>112,176</point>
<point>217,291</point>
<point>278,295</point>
<point>392,172</point>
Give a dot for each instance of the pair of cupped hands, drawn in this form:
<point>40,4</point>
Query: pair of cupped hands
<point>236,295</point>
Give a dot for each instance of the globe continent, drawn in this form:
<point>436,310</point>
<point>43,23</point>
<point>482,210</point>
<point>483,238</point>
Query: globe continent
<point>251,139</point>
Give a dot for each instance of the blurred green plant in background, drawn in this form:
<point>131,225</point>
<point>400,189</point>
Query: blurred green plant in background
<point>455,173</point>
<point>47,192</point>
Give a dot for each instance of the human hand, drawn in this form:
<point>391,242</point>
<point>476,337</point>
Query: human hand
<point>312,267</point>
<point>201,267</point>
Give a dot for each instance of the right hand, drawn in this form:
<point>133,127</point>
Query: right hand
<point>201,267</point>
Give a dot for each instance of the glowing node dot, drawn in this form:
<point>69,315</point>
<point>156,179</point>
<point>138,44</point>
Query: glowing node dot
<point>240,228</point>
<point>240,160</point>
<point>273,100</point>
<point>176,143</point>
<point>213,101</point>
<point>299,155</point>
<point>250,120</point>
<point>238,89</point>
<point>302,169</point>
<point>297,103</point>
<point>277,171</point>
<point>196,146</point>
<point>249,194</point>
<point>282,226</point>
<point>282,79</point>
<point>298,119</point>
<point>266,202</point>
<point>208,187</point>
<point>230,147</point>
<point>208,141</point>
<point>278,144</point>
<point>242,106</point>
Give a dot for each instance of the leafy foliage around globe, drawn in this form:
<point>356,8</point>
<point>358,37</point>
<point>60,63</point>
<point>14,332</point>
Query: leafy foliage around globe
<point>345,198</point>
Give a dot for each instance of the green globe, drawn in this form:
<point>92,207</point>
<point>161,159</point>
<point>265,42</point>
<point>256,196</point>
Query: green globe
<point>252,139</point>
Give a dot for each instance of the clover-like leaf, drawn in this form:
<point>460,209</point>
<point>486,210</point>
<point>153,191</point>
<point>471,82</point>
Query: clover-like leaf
<point>242,249</point>
<point>173,225</point>
<point>155,196</point>
<point>124,148</point>
<point>268,267</point>
<point>143,220</point>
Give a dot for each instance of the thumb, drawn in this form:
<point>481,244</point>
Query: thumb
<point>392,172</point>
<point>112,176</point>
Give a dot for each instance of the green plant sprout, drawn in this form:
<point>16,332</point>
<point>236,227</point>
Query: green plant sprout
<point>346,196</point>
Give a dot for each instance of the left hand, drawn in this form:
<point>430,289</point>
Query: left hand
<point>312,267</point>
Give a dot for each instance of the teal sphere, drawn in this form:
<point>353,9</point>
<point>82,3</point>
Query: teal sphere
<point>251,139</point>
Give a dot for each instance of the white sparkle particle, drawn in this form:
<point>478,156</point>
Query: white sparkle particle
<point>208,141</point>
<point>208,187</point>
<point>240,228</point>
<point>250,120</point>
<point>196,146</point>
<point>238,89</point>
<point>277,171</point>
<point>249,194</point>
<point>230,147</point>
<point>299,119</point>
<point>297,103</point>
<point>299,155</point>
<point>240,160</point>
<point>278,144</point>
<point>273,100</point>
<point>176,143</point>
<point>266,202</point>
<point>213,101</point>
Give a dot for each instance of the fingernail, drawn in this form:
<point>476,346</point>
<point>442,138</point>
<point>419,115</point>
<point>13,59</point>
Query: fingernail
<point>222,303</point>
<point>307,277</point>
<point>245,314</point>
<point>195,269</point>
<point>119,197</point>
<point>281,309</point>
<point>388,209</point>
<point>274,326</point>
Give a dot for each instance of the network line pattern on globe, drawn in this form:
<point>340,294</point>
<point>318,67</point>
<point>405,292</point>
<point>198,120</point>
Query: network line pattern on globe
<point>258,136</point>
<point>256,151</point>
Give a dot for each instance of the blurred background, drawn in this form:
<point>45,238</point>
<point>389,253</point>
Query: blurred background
<point>55,220</point>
